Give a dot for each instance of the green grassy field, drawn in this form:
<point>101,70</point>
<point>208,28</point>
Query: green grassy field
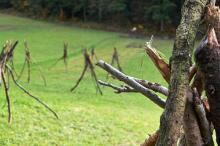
<point>85,118</point>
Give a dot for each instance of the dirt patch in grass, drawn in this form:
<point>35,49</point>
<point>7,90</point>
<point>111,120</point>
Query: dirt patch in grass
<point>6,27</point>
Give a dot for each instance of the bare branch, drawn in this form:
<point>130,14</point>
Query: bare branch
<point>7,97</point>
<point>203,122</point>
<point>34,97</point>
<point>131,82</point>
<point>119,90</point>
<point>80,78</point>
<point>153,86</point>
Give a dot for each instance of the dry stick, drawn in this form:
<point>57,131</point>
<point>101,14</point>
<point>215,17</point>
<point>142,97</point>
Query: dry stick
<point>40,71</point>
<point>29,62</point>
<point>29,71</point>
<point>80,78</point>
<point>203,122</point>
<point>88,65</point>
<point>22,70</point>
<point>7,97</point>
<point>34,97</point>
<point>131,82</point>
<point>26,61</point>
<point>64,57</point>
<point>115,57</point>
<point>93,74</point>
<point>117,89</point>
<point>65,54</point>
<point>93,54</point>
<point>153,86</point>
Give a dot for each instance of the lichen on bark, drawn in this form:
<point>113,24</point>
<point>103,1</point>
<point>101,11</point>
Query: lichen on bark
<point>172,118</point>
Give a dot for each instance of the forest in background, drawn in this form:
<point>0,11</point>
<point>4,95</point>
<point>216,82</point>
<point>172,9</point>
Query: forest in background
<point>161,14</point>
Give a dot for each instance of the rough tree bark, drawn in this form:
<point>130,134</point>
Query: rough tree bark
<point>172,118</point>
<point>208,59</point>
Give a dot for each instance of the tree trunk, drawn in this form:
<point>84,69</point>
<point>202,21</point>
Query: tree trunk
<point>172,118</point>
<point>208,60</point>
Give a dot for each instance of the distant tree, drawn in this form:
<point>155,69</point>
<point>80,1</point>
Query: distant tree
<point>5,3</point>
<point>160,11</point>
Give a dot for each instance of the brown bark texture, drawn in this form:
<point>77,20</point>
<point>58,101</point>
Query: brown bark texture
<point>207,58</point>
<point>172,118</point>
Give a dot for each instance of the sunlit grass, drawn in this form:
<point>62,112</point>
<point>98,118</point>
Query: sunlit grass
<point>85,117</point>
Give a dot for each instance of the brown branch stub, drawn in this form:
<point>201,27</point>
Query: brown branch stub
<point>132,83</point>
<point>151,140</point>
<point>158,60</point>
<point>121,89</point>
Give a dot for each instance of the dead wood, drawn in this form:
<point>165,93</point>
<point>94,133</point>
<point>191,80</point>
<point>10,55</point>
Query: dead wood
<point>93,54</point>
<point>121,89</point>
<point>115,59</point>
<point>204,124</point>
<point>171,120</point>
<point>64,57</point>
<point>87,65</point>
<point>29,61</point>
<point>158,60</point>
<point>207,58</point>
<point>132,83</point>
<point>151,140</point>
<point>28,93</point>
<point>191,125</point>
<point>5,69</point>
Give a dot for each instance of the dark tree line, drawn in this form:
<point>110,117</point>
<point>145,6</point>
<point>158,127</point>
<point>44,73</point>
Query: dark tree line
<point>159,12</point>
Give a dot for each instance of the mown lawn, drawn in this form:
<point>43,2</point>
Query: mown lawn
<point>85,117</point>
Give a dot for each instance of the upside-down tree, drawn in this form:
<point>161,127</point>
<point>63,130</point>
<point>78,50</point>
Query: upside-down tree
<point>188,119</point>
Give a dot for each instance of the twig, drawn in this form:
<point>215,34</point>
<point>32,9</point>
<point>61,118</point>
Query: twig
<point>119,90</point>
<point>131,82</point>
<point>153,86</point>
<point>203,122</point>
<point>7,97</point>
<point>93,54</point>
<point>64,57</point>
<point>29,62</point>
<point>34,97</point>
<point>88,65</point>
<point>80,78</point>
<point>115,58</point>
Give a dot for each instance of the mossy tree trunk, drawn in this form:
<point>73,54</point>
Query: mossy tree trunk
<point>172,119</point>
